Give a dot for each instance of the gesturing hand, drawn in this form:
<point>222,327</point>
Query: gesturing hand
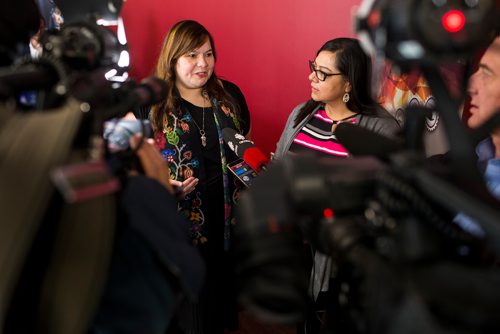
<point>186,186</point>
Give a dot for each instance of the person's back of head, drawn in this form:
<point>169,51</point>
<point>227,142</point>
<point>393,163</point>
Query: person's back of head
<point>19,20</point>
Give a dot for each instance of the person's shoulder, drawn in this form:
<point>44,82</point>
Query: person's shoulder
<point>385,116</point>
<point>380,112</point>
<point>295,111</point>
<point>230,87</point>
<point>299,107</point>
<point>381,121</point>
<point>227,83</point>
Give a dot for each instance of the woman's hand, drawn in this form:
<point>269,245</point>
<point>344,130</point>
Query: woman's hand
<point>186,186</point>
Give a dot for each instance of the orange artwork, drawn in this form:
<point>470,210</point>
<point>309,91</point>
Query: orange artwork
<point>400,90</point>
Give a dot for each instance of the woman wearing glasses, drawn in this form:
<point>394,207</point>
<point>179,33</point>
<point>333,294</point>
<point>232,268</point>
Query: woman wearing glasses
<point>340,92</point>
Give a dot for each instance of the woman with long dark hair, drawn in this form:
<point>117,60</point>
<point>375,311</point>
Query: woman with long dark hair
<point>340,92</point>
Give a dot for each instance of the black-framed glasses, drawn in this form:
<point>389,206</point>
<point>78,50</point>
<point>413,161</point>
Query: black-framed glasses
<point>319,73</point>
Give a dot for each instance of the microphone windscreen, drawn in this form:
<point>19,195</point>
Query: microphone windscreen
<point>361,141</point>
<point>236,142</point>
<point>255,158</point>
<point>151,90</point>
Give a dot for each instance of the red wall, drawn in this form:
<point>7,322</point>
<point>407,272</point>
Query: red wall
<point>262,45</point>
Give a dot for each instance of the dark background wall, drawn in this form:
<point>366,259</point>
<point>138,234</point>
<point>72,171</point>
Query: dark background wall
<point>263,46</point>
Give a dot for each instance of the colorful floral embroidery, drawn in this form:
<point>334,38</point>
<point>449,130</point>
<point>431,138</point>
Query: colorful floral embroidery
<point>185,127</point>
<point>177,148</point>
<point>229,113</point>
<point>226,110</point>
<point>160,140</point>
<point>172,143</point>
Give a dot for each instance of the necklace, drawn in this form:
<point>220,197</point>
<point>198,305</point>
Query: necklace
<point>337,121</point>
<point>202,129</point>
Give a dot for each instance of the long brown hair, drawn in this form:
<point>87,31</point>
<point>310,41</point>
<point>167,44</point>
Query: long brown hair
<point>183,37</point>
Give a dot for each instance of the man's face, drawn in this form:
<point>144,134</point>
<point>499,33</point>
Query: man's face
<point>484,87</point>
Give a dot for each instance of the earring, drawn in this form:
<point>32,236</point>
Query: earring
<point>346,97</point>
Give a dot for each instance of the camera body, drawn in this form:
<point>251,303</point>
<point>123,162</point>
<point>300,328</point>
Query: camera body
<point>401,263</point>
<point>421,32</point>
<point>117,132</point>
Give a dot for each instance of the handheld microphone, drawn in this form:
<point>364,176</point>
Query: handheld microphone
<point>245,149</point>
<point>360,141</point>
<point>255,158</point>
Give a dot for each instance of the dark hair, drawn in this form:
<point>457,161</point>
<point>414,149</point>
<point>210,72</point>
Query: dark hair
<point>355,67</point>
<point>183,37</point>
<point>19,20</point>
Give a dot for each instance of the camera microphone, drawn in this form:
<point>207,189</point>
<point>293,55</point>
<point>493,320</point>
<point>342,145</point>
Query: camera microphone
<point>149,91</point>
<point>245,149</point>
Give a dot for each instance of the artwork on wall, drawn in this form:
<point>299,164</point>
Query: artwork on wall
<point>401,90</point>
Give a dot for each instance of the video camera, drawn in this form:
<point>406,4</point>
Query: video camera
<point>401,264</point>
<point>65,225</point>
<point>86,59</point>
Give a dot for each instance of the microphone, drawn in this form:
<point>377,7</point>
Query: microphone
<point>91,87</point>
<point>151,90</point>
<point>360,141</point>
<point>245,149</point>
<point>256,159</point>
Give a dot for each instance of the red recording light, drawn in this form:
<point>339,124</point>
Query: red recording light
<point>453,20</point>
<point>374,19</point>
<point>328,213</point>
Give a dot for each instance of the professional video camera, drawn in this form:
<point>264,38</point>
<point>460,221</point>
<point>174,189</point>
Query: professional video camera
<point>86,60</point>
<point>68,225</point>
<point>385,216</point>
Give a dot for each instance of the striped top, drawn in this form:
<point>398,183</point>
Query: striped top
<point>316,136</point>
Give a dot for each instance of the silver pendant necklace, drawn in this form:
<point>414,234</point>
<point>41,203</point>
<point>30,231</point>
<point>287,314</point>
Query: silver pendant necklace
<point>202,129</point>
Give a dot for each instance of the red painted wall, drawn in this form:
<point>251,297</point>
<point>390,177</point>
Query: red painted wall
<point>262,45</point>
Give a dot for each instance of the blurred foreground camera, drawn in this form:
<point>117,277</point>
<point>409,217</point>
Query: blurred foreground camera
<point>423,31</point>
<point>117,132</point>
<point>64,258</point>
<point>397,255</point>
<point>400,263</point>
